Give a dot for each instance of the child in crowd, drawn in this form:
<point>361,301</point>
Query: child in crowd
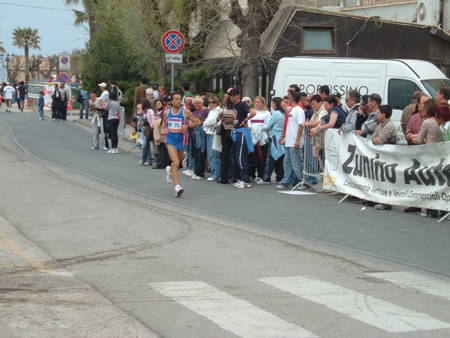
<point>200,150</point>
<point>41,105</point>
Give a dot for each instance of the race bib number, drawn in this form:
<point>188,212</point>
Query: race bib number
<point>174,124</point>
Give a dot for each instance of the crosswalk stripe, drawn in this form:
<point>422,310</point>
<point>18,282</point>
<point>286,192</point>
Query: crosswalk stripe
<point>406,279</point>
<point>230,313</point>
<point>368,309</point>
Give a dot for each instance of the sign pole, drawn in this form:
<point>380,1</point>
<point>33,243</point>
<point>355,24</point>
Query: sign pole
<point>172,66</point>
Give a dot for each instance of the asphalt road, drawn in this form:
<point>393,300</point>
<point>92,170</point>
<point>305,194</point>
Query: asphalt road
<point>405,238</point>
<point>95,245</point>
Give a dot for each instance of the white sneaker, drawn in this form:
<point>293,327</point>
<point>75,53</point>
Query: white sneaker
<point>237,183</point>
<point>141,163</point>
<point>243,185</point>
<point>93,148</point>
<point>41,118</point>
<point>169,174</point>
<point>262,182</point>
<point>146,164</point>
<point>110,151</point>
<point>189,173</point>
<point>105,148</point>
<point>52,120</point>
<point>115,151</point>
<point>178,191</point>
<point>210,179</point>
<point>184,172</point>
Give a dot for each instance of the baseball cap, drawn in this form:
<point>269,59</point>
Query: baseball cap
<point>104,85</point>
<point>233,91</point>
<point>337,95</point>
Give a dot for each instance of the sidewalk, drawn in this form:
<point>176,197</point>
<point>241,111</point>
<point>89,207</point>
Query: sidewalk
<point>39,295</point>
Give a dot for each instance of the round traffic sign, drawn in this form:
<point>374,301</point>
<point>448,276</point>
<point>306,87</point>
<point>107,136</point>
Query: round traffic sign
<point>63,77</point>
<point>173,41</point>
<point>64,60</point>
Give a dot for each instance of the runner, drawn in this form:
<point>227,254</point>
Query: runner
<point>22,89</point>
<point>8,93</point>
<point>175,125</point>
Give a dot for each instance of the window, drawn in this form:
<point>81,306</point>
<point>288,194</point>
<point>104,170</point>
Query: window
<point>318,39</point>
<point>433,85</point>
<point>400,93</point>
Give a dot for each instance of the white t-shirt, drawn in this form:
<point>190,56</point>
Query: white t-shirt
<point>105,97</point>
<point>296,118</point>
<point>8,92</point>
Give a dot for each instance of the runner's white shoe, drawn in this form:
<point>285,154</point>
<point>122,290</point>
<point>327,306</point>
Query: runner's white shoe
<point>169,174</point>
<point>178,191</point>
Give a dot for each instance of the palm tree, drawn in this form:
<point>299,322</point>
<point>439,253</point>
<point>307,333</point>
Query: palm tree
<point>26,38</point>
<point>91,8</point>
<point>2,50</point>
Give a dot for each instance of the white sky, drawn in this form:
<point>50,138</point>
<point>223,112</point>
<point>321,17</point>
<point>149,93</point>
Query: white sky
<point>53,20</point>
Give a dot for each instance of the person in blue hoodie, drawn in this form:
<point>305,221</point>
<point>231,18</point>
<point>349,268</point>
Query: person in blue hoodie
<point>200,150</point>
<point>244,143</point>
<point>41,105</point>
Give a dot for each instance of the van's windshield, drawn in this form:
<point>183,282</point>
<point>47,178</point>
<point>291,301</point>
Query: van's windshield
<point>433,85</point>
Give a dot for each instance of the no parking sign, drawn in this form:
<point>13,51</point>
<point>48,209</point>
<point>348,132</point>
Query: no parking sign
<point>173,41</point>
<point>63,77</point>
<point>64,61</point>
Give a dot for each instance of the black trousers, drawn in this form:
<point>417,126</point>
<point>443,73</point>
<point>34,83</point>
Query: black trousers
<point>227,148</point>
<point>200,162</point>
<point>64,110</point>
<point>258,164</point>
<point>163,159</point>
<point>113,126</point>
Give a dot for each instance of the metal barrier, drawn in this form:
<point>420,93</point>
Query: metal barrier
<point>313,158</point>
<point>121,128</point>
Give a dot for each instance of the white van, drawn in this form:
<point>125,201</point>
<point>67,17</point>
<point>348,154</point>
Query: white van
<point>394,80</point>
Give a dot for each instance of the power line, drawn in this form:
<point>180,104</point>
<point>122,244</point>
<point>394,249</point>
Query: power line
<point>38,7</point>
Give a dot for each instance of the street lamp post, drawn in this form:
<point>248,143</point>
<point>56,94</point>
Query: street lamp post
<point>4,61</point>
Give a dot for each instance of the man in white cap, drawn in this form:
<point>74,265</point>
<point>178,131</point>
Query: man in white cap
<point>105,97</point>
<point>8,93</point>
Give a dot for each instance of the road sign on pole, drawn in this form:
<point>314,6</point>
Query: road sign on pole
<point>174,58</point>
<point>64,61</point>
<point>63,78</point>
<point>173,41</point>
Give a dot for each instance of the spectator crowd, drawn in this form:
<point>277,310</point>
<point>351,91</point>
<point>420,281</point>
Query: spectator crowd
<point>250,141</point>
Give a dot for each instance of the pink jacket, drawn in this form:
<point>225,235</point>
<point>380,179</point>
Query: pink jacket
<point>150,116</point>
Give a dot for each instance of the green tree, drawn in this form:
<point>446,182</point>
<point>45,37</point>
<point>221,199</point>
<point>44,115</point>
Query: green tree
<point>26,38</point>
<point>252,23</point>
<point>2,49</point>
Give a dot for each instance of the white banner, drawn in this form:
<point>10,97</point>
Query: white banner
<point>417,176</point>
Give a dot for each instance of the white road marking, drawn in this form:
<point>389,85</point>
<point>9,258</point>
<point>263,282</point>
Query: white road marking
<point>230,313</point>
<point>370,310</point>
<point>406,279</point>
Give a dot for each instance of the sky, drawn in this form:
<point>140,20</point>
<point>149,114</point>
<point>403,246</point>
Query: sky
<point>53,20</point>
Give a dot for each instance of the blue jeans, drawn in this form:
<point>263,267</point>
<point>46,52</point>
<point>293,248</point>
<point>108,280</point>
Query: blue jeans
<point>213,157</point>
<point>41,112</point>
<point>146,151</point>
<point>84,105</point>
<point>293,166</point>
<point>191,153</point>
<point>242,156</point>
